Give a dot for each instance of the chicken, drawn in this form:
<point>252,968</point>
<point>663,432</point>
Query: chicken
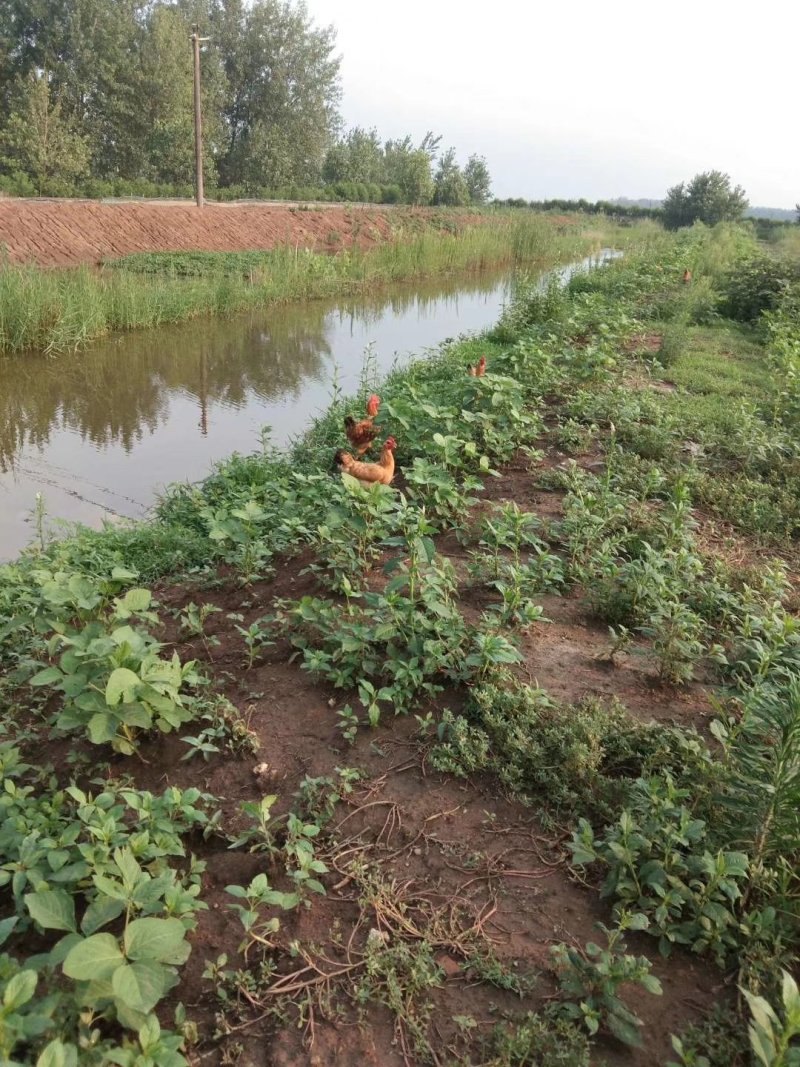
<point>687,276</point>
<point>479,370</point>
<point>361,434</point>
<point>369,473</point>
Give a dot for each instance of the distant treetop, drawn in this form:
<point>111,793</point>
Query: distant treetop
<point>708,198</point>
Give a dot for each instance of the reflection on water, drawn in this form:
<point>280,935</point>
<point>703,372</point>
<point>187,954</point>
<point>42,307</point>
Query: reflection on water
<point>99,433</point>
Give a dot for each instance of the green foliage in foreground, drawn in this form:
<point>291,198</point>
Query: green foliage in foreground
<point>695,844</point>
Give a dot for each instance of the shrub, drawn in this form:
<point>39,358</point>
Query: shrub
<point>580,758</point>
<point>659,862</point>
<point>757,285</point>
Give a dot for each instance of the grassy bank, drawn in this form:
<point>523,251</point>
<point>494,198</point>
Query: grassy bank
<point>60,310</point>
<point>556,676</point>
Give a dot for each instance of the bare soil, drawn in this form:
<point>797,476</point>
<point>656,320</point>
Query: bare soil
<point>63,233</point>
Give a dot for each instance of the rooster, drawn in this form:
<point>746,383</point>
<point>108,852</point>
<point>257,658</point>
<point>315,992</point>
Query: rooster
<point>369,473</point>
<point>687,276</point>
<point>479,370</point>
<point>361,434</point>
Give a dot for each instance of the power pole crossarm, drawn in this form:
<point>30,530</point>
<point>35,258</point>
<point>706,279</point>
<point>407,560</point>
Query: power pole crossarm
<point>197,40</point>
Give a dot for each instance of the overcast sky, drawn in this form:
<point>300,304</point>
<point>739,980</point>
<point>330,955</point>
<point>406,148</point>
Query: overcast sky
<point>578,98</point>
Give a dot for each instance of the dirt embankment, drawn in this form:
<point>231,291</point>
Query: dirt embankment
<point>62,233</point>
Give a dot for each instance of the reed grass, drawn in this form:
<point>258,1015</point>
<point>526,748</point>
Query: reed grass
<point>64,309</point>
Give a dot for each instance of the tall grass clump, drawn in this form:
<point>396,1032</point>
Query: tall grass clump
<point>61,310</point>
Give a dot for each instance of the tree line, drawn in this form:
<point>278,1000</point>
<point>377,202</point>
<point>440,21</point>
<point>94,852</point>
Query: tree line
<point>96,98</point>
<point>708,198</point>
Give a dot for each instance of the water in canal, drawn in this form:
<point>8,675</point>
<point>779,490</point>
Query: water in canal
<point>100,432</point>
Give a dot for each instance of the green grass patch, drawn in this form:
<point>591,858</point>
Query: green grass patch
<point>724,360</point>
<point>58,310</point>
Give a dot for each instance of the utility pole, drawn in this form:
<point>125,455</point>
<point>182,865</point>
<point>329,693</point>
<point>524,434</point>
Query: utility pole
<point>197,40</point>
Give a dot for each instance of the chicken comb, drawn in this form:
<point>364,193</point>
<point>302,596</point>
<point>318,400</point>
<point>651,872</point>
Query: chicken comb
<point>373,404</point>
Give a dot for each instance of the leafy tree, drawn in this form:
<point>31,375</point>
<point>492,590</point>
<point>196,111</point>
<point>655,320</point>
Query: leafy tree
<point>38,140</point>
<point>89,50</point>
<point>430,144</point>
<point>478,180</point>
<point>167,91</point>
<point>409,168</point>
<point>797,209</point>
<point>283,92</point>
<point>708,198</point>
<point>357,158</point>
<point>107,88</point>
<point>449,185</point>
<point>415,179</point>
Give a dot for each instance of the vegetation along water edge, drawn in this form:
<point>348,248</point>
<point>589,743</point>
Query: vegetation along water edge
<point>62,309</point>
<point>495,765</point>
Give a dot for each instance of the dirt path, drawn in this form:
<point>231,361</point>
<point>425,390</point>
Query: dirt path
<point>60,233</point>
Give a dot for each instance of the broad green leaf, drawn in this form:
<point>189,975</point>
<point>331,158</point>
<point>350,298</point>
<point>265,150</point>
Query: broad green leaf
<point>100,912</point>
<point>791,998</point>
<point>625,1031</point>
<point>19,990</point>
<point>651,984</point>
<point>6,926</point>
<point>762,1012</point>
<point>57,1054</point>
<point>49,676</point>
<point>110,887</point>
<point>156,939</point>
<point>638,921</point>
<point>58,953</point>
<point>122,685</point>
<point>53,909</point>
<point>95,958</point>
<point>123,574</point>
<point>140,985</point>
<point>137,600</point>
<point>151,1031</point>
<point>129,867</point>
<point>101,728</point>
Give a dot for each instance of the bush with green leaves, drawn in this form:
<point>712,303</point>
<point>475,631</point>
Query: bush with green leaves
<point>399,645</point>
<point>36,599</point>
<point>574,759</point>
<point>674,343</point>
<point>675,631</point>
<point>63,839</point>
<point>27,1021</point>
<point>112,681</point>
<point>348,542</point>
<point>718,1040</point>
<point>544,1038</point>
<point>590,982</point>
<point>760,804</point>
<point>74,866</point>
<point>783,352</point>
<point>757,285</point>
<point>660,862</point>
<point>400,975</point>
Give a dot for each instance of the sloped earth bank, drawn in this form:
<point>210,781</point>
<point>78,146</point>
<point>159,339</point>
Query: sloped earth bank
<point>63,233</point>
<point>430,938</point>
